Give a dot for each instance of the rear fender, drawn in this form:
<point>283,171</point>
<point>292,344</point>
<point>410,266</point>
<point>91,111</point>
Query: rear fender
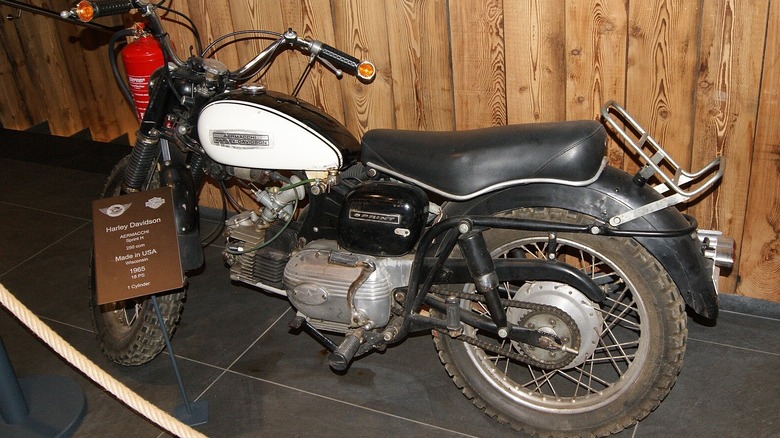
<point>612,194</point>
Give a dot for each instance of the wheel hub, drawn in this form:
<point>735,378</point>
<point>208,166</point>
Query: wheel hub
<point>583,336</point>
<point>555,326</point>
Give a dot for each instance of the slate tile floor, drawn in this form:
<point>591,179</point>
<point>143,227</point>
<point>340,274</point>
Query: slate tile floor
<point>235,350</point>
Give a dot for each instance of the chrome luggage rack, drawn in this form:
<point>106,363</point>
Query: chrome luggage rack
<point>653,156</point>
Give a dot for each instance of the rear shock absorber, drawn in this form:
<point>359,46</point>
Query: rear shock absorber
<point>480,263</point>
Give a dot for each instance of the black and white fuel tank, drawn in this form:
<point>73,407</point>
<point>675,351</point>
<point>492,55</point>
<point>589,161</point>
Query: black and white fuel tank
<point>256,128</point>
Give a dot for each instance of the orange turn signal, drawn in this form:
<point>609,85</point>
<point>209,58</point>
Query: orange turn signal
<point>366,71</point>
<point>85,11</point>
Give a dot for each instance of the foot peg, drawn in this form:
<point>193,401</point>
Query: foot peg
<point>340,359</point>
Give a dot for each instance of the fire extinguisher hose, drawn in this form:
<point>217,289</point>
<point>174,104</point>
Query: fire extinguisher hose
<point>124,33</point>
<point>98,375</point>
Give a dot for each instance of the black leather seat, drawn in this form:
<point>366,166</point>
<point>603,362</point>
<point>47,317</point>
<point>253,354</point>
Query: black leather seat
<point>464,164</point>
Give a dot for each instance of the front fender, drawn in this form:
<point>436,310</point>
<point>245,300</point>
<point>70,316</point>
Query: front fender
<point>612,194</point>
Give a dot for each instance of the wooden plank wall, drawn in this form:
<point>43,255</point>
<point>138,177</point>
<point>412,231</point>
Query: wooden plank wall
<point>701,76</point>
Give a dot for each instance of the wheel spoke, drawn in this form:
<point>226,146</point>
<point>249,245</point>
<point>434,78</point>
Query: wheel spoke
<point>541,381</point>
<point>610,358</point>
<point>129,320</point>
<point>536,251</point>
<point>591,376</point>
<point>612,319</point>
<point>587,387</point>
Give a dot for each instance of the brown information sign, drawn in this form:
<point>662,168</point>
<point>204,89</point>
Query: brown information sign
<point>136,248</point>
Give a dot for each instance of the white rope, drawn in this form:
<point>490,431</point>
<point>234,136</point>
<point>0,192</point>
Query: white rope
<point>122,392</point>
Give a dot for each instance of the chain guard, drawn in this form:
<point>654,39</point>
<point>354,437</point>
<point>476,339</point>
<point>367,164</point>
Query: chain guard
<point>521,355</point>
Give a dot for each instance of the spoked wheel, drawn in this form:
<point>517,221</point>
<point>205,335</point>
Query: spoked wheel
<point>128,332</point>
<point>626,350</point>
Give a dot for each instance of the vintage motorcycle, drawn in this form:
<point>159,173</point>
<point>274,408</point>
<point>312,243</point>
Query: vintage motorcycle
<point>554,285</point>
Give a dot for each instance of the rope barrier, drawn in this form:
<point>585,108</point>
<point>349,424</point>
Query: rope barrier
<point>86,366</point>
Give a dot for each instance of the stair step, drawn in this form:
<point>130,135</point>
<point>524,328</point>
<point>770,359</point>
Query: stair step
<point>84,134</point>
<point>67,152</point>
<point>40,128</point>
<point>123,139</point>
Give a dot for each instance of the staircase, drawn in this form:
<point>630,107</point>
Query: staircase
<point>78,151</point>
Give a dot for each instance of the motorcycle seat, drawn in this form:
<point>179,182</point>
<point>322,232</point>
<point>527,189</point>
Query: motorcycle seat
<point>461,165</point>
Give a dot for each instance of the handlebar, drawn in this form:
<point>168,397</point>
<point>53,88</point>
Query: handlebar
<point>364,70</point>
<point>88,10</point>
<point>334,59</point>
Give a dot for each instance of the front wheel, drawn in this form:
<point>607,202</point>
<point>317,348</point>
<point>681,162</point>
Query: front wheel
<point>128,332</point>
<point>630,346</point>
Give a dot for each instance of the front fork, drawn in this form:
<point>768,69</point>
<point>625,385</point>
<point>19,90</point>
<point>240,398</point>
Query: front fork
<point>173,170</point>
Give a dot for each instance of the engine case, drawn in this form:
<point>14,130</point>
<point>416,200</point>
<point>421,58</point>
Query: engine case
<point>382,218</point>
<point>318,287</point>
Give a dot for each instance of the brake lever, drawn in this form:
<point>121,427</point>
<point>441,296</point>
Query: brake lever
<point>339,74</point>
<point>314,47</point>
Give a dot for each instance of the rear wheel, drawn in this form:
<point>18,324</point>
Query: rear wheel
<point>128,332</point>
<point>630,347</point>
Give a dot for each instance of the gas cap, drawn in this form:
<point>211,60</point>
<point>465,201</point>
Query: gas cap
<point>253,89</point>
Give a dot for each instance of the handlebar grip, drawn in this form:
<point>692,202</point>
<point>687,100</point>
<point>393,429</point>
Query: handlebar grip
<point>347,63</point>
<point>87,10</point>
<point>341,60</point>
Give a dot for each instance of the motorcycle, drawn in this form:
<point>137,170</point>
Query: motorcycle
<point>555,286</point>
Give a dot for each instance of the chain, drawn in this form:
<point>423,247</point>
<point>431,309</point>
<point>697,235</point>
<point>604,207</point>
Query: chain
<point>507,351</point>
<point>504,301</point>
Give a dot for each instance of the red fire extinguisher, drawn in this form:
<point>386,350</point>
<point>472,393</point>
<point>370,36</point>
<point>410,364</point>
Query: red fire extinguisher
<point>141,58</point>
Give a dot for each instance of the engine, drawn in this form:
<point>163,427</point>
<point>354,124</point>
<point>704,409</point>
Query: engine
<point>338,290</point>
<point>337,285</point>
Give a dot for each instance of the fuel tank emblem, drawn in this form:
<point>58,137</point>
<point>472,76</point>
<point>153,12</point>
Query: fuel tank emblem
<point>241,139</point>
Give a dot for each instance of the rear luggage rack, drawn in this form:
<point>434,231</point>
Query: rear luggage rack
<point>653,157</point>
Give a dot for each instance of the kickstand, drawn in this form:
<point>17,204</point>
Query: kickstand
<point>190,413</point>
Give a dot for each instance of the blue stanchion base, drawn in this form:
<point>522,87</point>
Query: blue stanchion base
<point>56,404</point>
<point>199,413</point>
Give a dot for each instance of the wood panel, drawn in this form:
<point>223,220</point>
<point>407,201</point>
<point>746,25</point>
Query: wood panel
<point>28,59</point>
<point>699,75</point>
<point>86,58</point>
<point>727,107</point>
<point>214,19</point>
<point>596,60</point>
<point>361,31</point>
<point>760,244</point>
<point>421,71</point>
<point>477,33</point>
<point>535,60</point>
<point>661,72</point>
<point>177,27</point>
<point>50,73</point>
<point>15,82</point>
<point>313,19</point>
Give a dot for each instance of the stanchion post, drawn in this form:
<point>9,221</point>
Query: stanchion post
<point>13,407</point>
<point>191,413</point>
